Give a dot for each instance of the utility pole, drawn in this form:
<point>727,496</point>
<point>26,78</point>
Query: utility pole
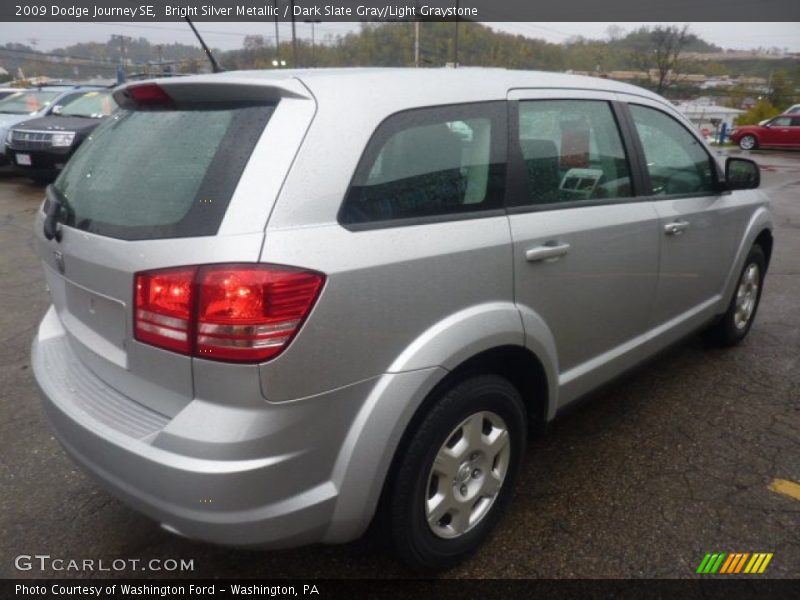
<point>277,35</point>
<point>455,46</point>
<point>416,44</point>
<point>313,40</point>
<point>122,57</point>
<point>294,38</point>
<point>122,51</point>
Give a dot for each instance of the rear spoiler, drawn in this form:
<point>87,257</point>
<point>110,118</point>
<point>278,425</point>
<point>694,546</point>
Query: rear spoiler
<point>227,87</point>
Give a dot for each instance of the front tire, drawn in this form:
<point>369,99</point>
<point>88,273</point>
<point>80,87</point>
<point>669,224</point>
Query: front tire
<point>457,473</point>
<point>737,320</point>
<point>748,142</point>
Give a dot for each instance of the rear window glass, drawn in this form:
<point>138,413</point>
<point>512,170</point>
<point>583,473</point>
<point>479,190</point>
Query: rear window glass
<point>160,173</point>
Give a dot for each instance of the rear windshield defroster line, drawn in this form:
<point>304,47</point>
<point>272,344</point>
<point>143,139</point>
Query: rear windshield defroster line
<point>155,174</point>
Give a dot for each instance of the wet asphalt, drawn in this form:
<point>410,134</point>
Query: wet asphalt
<point>641,480</point>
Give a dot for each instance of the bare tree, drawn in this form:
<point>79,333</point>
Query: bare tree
<point>614,33</point>
<point>660,49</point>
<point>254,42</point>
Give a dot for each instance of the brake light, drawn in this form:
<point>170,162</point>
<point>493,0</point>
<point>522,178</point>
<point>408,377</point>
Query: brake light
<point>149,95</point>
<point>164,308</point>
<point>237,313</point>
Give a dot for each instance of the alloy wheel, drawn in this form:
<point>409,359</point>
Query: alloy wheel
<point>746,296</point>
<point>467,474</point>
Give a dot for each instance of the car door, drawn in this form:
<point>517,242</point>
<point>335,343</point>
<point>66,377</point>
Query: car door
<point>777,132</point>
<point>794,132</point>
<point>585,248</point>
<point>699,224</point>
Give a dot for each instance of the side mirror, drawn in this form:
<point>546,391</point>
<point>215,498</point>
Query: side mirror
<point>57,109</point>
<point>742,174</point>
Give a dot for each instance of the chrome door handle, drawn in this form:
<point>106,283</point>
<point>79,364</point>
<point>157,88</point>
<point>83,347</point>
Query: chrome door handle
<point>546,252</point>
<point>676,227</point>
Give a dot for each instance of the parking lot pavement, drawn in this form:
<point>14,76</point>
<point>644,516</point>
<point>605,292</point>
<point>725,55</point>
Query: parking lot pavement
<point>672,462</point>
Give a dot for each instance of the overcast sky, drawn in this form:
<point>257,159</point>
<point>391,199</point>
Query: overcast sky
<point>229,35</point>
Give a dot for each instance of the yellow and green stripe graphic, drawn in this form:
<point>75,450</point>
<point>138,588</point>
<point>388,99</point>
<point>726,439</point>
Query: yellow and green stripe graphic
<point>734,563</point>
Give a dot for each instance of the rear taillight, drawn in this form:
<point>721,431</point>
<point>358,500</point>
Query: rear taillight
<point>164,302</point>
<point>238,313</point>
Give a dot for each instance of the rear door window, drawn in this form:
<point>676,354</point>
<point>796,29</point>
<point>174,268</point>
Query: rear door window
<point>437,162</point>
<point>149,174</point>
<point>572,152</point>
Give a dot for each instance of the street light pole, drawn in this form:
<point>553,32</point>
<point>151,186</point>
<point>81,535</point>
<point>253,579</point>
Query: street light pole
<point>277,34</point>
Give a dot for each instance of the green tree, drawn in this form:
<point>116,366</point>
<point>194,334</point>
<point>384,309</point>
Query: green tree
<point>763,109</point>
<point>781,92</point>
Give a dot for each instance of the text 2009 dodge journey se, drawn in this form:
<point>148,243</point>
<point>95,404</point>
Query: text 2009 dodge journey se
<point>287,302</point>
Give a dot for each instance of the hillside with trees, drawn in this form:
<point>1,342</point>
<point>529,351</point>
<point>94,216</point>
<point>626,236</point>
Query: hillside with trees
<point>669,52</point>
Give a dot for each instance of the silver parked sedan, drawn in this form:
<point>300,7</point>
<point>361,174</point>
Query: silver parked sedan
<point>286,302</point>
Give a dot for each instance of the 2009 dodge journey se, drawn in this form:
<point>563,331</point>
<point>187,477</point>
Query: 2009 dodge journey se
<point>284,303</point>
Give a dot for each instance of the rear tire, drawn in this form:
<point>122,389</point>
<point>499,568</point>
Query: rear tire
<point>748,142</point>
<point>456,476</point>
<point>737,320</point>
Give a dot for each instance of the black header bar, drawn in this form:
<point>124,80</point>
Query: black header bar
<point>401,10</point>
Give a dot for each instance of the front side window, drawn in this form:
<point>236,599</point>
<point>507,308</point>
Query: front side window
<point>571,151</point>
<point>676,160</point>
<point>781,122</point>
<point>430,163</point>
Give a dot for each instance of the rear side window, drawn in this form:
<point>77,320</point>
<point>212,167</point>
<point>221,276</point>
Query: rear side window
<point>676,160</point>
<point>436,162</point>
<point>149,174</point>
<point>572,152</point>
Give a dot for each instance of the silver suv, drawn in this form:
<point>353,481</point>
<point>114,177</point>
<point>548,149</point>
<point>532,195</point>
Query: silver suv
<point>287,302</point>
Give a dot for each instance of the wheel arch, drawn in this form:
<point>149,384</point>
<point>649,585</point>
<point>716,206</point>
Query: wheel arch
<point>758,231</point>
<point>519,364</point>
<point>516,363</point>
<point>765,240</point>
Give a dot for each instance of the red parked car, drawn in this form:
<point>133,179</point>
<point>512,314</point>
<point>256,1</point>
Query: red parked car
<point>782,131</point>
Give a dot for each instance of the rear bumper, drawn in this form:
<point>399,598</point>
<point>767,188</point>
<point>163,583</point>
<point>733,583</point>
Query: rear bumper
<point>274,489</point>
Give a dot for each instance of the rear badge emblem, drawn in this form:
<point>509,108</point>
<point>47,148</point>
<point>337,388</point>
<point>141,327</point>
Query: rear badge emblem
<point>59,261</point>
